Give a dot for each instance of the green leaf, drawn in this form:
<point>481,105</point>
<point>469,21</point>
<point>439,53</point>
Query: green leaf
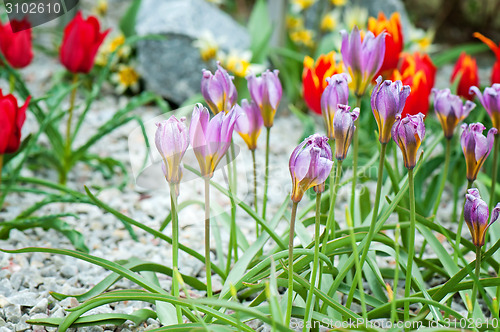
<point>452,54</point>
<point>127,22</point>
<point>364,203</point>
<point>260,29</point>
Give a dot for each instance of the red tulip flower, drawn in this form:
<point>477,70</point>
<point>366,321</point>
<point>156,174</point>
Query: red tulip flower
<point>417,71</point>
<point>466,70</point>
<point>81,41</point>
<point>16,46</point>
<point>11,121</point>
<point>314,78</point>
<point>495,72</point>
<point>394,42</point>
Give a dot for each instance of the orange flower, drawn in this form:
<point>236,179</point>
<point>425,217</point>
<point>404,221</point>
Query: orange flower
<point>393,40</point>
<point>495,71</point>
<point>314,78</point>
<point>417,71</point>
<point>466,70</point>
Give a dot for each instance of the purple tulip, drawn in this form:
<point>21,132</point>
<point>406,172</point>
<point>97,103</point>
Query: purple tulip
<point>450,110</point>
<point>362,58</point>
<point>476,216</point>
<point>491,102</point>
<point>172,141</point>
<point>218,90</point>
<point>476,147</point>
<point>249,123</point>
<point>409,133</point>
<point>388,100</point>
<point>310,164</point>
<point>210,139</point>
<point>343,126</point>
<point>266,92</point>
<point>336,92</point>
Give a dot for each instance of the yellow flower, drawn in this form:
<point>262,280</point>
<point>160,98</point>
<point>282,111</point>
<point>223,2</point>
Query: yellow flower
<point>294,22</point>
<point>339,3</point>
<point>236,62</point>
<point>126,77</point>
<point>303,4</point>
<point>355,16</point>
<point>330,21</point>
<point>207,46</point>
<point>302,36</point>
<point>101,8</point>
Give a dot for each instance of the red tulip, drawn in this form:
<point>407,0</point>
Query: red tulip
<point>394,42</point>
<point>466,68</point>
<point>81,41</point>
<point>11,119</point>
<point>314,78</point>
<point>495,71</point>
<point>16,46</point>
<point>417,71</point>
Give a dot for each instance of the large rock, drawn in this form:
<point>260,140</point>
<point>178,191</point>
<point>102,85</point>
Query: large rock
<point>172,67</point>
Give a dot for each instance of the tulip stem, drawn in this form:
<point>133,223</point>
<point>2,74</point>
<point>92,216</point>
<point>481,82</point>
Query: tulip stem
<point>67,152</point>
<point>411,245</point>
<point>444,176</point>
<point>254,162</point>
<point>175,248</point>
<point>314,274</point>
<point>371,230</point>
<point>394,314</point>
<point>494,171</point>
<point>207,237</point>
<point>355,161</point>
<point>460,226</point>
<point>476,282</point>
<point>12,83</point>
<point>266,173</point>
<point>290,264</point>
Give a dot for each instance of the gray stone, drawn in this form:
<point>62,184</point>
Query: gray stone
<point>12,313</point>
<point>69,270</point>
<point>22,325</point>
<point>2,322</point>
<point>5,287</point>
<point>24,298</point>
<point>7,328</point>
<point>172,67</point>
<point>40,307</point>
<point>59,313</point>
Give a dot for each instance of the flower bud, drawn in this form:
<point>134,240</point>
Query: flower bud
<point>409,133</point>
<point>15,43</point>
<point>210,139</point>
<point>490,99</point>
<point>266,92</point>
<point>249,123</point>
<point>476,147</point>
<point>336,92</point>
<point>343,125</point>
<point>450,110</point>
<point>12,118</point>
<point>172,141</point>
<point>363,57</point>
<point>387,101</point>
<point>310,164</point>
<point>218,90</point>
<point>476,216</point>
<point>466,71</point>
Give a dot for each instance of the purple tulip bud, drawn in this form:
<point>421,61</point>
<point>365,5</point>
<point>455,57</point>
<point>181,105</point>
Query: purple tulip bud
<point>408,133</point>
<point>476,147</point>
<point>310,164</point>
<point>491,102</point>
<point>388,100</point>
<point>249,123</point>
<point>266,92</point>
<point>336,92</point>
<point>210,139</point>
<point>450,110</point>
<point>343,126</point>
<point>362,58</point>
<point>476,216</point>
<point>172,141</point>
<point>218,90</point>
